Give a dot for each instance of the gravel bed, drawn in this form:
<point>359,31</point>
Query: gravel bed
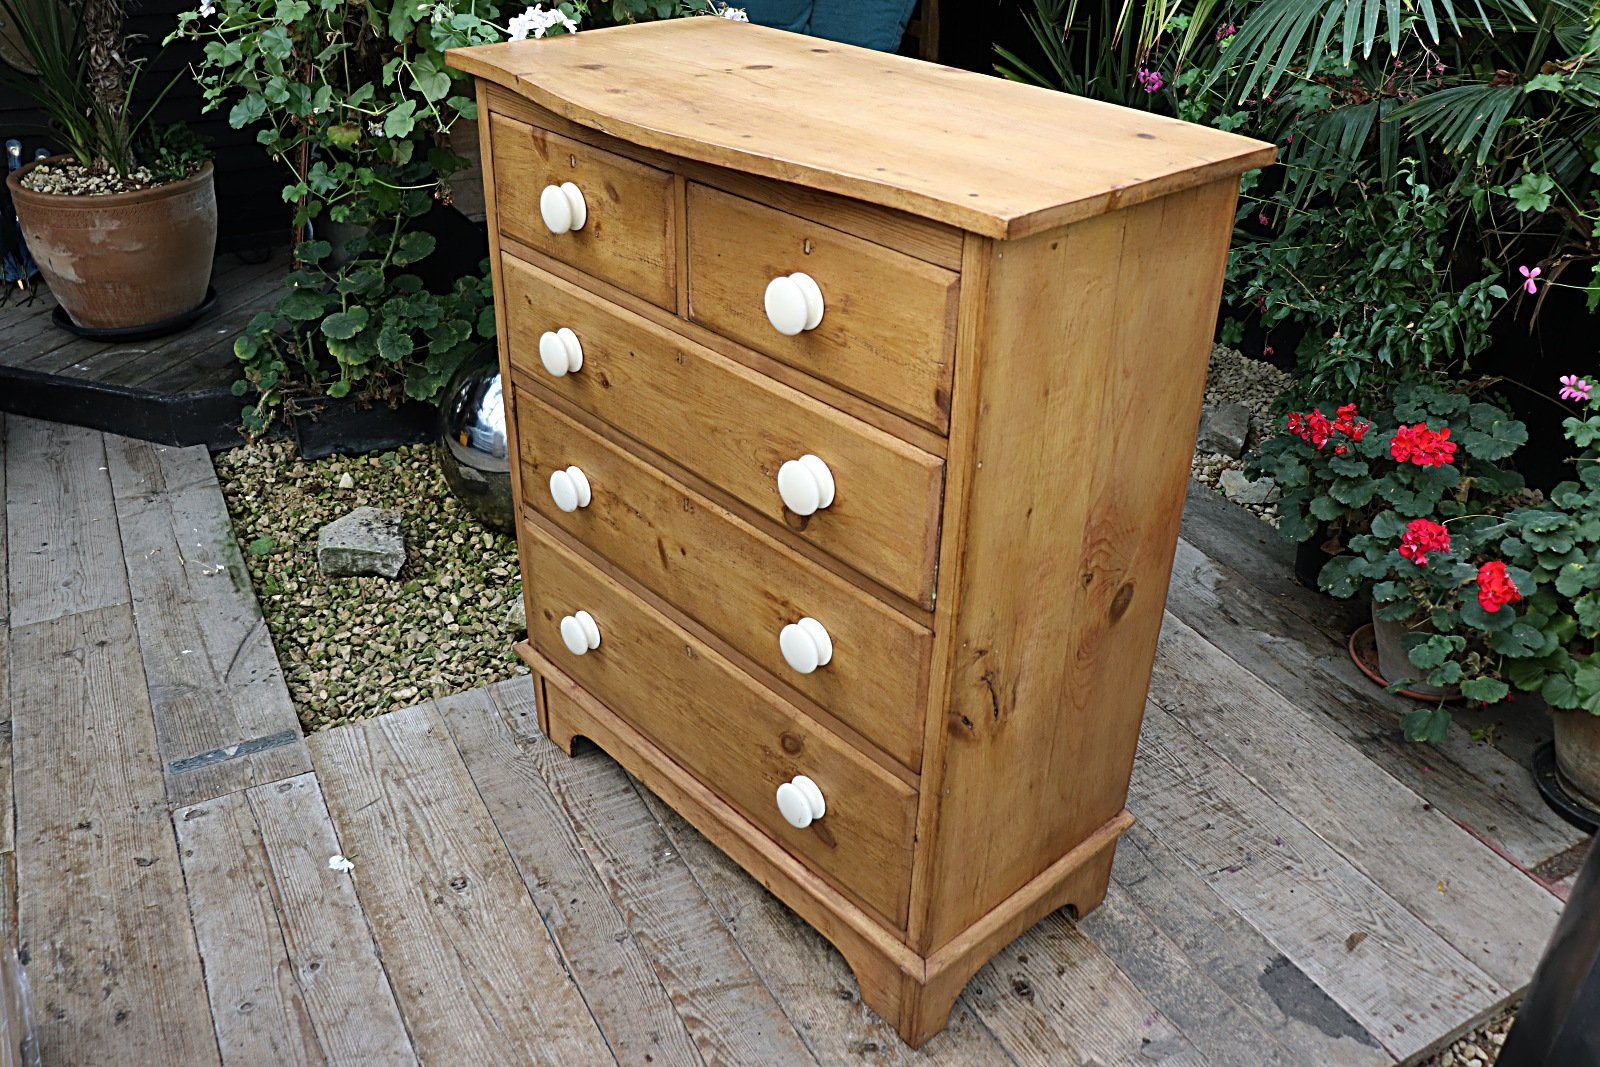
<point>72,179</point>
<point>1237,378</point>
<point>1478,1049</point>
<point>356,647</point>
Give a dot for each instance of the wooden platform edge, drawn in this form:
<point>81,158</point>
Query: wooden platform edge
<point>914,994</point>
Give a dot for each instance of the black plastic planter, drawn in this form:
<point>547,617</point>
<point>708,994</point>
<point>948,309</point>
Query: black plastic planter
<point>323,426</point>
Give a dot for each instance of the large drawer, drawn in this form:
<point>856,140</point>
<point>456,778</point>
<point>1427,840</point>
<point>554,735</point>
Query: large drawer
<point>736,428</point>
<point>887,331</point>
<point>726,729</point>
<point>629,236</point>
<point>737,582</point>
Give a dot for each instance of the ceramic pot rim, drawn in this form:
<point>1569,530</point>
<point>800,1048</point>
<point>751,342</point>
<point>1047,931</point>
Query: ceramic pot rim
<point>101,201</point>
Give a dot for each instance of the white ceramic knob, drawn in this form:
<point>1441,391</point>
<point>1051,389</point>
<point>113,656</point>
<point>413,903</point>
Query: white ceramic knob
<point>570,489</point>
<point>805,645</point>
<point>794,303</point>
<point>563,208</point>
<point>805,484</point>
<point>579,633</point>
<point>560,352</point>
<point>801,802</point>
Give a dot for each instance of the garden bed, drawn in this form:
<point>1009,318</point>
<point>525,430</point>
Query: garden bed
<point>356,647</point>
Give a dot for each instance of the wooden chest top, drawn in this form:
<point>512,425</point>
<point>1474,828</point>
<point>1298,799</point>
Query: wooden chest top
<point>989,156</point>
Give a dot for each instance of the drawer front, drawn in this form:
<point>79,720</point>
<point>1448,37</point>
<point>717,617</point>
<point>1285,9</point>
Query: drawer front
<point>887,331</point>
<point>629,235</point>
<point>736,428</point>
<point>737,582</point>
<point>726,729</point>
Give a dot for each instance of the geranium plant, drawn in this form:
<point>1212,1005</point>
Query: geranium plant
<point>1444,582</point>
<point>1434,454</point>
<point>357,102</point>
<point>1554,553</point>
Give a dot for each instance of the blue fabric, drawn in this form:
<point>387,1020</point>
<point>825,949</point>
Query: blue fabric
<point>870,23</point>
<point>794,15</point>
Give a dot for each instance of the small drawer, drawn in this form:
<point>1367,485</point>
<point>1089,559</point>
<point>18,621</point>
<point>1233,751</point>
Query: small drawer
<point>723,727</point>
<point>886,330</point>
<point>738,429</point>
<point>628,212</point>
<point>737,582</point>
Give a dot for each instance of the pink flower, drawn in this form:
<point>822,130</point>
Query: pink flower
<point>1149,80</point>
<point>1575,388</point>
<point>1530,284</point>
<point>1226,30</point>
<point>1262,218</point>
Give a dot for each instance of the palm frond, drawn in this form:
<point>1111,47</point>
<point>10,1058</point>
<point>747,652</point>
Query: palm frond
<point>1457,116</point>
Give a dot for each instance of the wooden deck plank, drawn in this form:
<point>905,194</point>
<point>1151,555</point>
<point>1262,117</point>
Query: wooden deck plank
<point>811,980</point>
<point>1052,997</point>
<point>5,569</point>
<point>64,554</point>
<point>1494,914</point>
<point>1221,1029</point>
<point>473,968</point>
<point>224,720</point>
<point>543,813</point>
<point>1471,782</point>
<point>1185,912</point>
<point>1402,982</point>
<point>110,952</point>
<point>730,1013</point>
<point>291,968</point>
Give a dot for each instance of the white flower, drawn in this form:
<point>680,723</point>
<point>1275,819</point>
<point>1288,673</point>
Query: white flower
<point>207,9</point>
<point>734,14</point>
<point>537,22</point>
<point>441,12</point>
<point>340,863</point>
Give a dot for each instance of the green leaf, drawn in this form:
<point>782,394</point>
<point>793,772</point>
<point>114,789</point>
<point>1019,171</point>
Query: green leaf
<point>1532,192</point>
<point>339,389</point>
<point>413,246</point>
<point>1429,651</point>
<point>1430,725</point>
<point>303,305</point>
<point>343,325</point>
<point>261,546</point>
<point>1485,690</point>
<point>400,120</point>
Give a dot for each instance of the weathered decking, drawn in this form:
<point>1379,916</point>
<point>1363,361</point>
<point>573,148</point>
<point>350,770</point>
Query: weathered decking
<point>1302,886</point>
<point>175,388</point>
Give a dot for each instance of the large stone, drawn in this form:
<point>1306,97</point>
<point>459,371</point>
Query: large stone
<point>1223,430</point>
<point>1241,490</point>
<point>517,616</point>
<point>368,541</point>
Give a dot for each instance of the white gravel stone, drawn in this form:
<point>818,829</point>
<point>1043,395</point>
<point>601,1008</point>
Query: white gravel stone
<point>1240,489</point>
<point>368,541</point>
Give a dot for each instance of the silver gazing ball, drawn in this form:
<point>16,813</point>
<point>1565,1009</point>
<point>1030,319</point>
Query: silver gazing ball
<point>472,441</point>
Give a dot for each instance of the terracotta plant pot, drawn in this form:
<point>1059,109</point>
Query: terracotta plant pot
<point>123,259</point>
<point>1395,665</point>
<point>1577,737</point>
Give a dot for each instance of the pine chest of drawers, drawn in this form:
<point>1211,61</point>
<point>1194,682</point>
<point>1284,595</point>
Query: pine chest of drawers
<point>851,402</point>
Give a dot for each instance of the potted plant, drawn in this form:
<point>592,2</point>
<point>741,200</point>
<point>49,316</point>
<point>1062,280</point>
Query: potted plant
<point>1554,550</point>
<point>123,223</point>
<point>1433,454</point>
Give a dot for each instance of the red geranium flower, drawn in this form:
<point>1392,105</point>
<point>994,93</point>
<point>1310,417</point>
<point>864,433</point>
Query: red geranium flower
<point>1317,429</point>
<point>1422,446</point>
<point>1495,587</point>
<point>1420,538</point>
